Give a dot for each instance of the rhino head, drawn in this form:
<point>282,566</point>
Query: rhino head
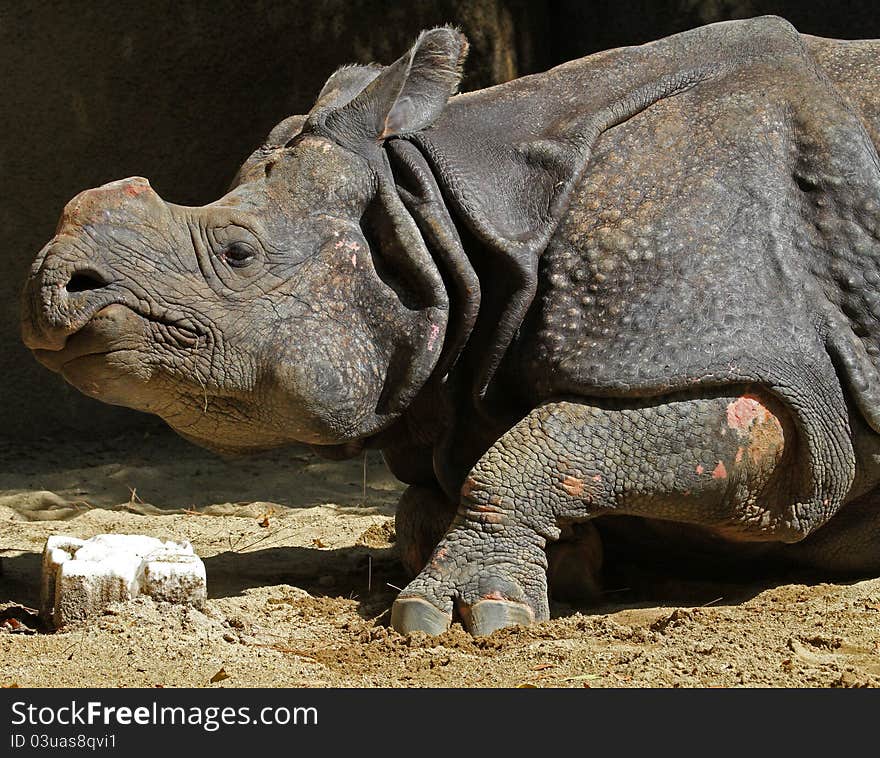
<point>301,306</point>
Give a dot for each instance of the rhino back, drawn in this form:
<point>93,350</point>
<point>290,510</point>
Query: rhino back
<point>853,67</point>
<point>727,235</point>
<point>723,212</point>
<point>722,232</point>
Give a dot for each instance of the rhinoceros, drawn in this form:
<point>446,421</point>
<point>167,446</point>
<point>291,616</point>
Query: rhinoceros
<point>638,291</point>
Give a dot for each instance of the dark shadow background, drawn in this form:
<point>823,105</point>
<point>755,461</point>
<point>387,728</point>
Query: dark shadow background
<point>181,92</point>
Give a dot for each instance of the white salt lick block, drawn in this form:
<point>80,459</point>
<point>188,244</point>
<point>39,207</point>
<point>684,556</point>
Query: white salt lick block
<point>81,577</point>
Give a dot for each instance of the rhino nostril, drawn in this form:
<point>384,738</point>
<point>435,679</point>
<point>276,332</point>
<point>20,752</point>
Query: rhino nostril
<point>82,281</point>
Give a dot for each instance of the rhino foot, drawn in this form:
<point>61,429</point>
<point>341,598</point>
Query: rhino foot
<point>492,577</point>
<point>413,614</point>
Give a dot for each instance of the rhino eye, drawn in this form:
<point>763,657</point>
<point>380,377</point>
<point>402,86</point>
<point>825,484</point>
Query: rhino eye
<point>238,254</point>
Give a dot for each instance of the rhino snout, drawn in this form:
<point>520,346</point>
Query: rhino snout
<point>60,299</point>
<point>68,285</point>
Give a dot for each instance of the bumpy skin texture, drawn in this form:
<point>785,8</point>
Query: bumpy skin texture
<point>641,284</point>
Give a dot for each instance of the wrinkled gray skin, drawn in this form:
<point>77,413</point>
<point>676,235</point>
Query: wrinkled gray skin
<point>635,292</point>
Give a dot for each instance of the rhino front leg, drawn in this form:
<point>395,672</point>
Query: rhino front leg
<point>716,461</point>
<point>424,515</point>
<point>422,518</point>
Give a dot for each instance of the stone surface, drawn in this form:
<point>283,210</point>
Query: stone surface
<point>80,577</point>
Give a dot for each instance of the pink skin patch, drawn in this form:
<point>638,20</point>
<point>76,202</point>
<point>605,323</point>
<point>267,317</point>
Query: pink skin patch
<point>720,471</point>
<point>432,337</point>
<point>349,246</point>
<point>573,486</point>
<point>744,411</point>
<point>133,189</point>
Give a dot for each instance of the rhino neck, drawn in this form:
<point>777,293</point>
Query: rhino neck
<point>441,434</point>
<point>418,189</point>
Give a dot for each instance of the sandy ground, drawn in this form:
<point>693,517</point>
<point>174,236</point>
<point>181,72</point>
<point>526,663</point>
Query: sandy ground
<point>301,570</point>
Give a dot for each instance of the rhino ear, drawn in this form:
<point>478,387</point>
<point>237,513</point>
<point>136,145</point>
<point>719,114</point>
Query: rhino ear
<point>406,96</point>
<point>344,84</point>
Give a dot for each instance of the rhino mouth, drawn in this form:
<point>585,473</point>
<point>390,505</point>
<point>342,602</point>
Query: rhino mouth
<point>117,328</point>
